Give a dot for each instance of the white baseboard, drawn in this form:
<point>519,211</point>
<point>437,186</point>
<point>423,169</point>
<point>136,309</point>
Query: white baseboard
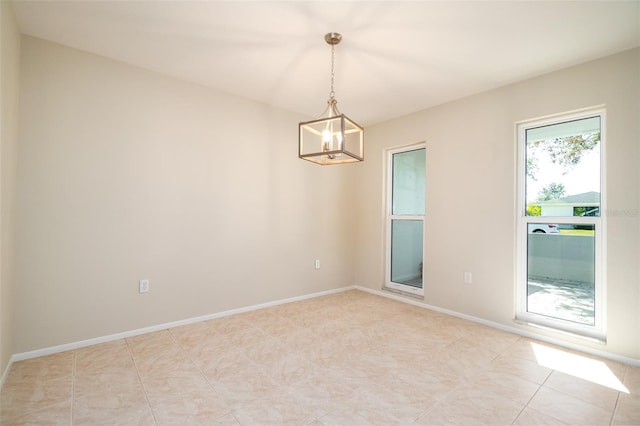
<point>514,330</point>
<point>117,336</point>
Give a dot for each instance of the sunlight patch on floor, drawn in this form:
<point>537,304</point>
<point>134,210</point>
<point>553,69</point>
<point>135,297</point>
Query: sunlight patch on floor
<point>578,366</point>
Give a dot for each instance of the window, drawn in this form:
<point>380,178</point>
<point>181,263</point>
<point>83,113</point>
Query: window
<point>406,185</point>
<point>561,233</point>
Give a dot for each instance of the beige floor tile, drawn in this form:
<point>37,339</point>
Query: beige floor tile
<point>257,316</point>
<point>360,414</point>
<point>116,368</point>
<point>468,348</point>
<point>249,385</point>
<point>334,329</point>
<point>247,337</point>
<point>584,390</point>
<point>112,357</point>
<point>299,340</point>
<point>569,409</point>
<point>157,340</point>
<point>323,392</point>
<point>156,349</point>
<point>174,383</point>
<point>127,406</point>
<point>306,319</point>
<point>158,363</point>
<point>190,335</point>
<point>143,417</point>
<point>102,353</point>
<point>104,383</point>
<point>378,366</point>
<point>278,409</point>
<point>276,326</point>
<point>194,407</point>
<point>389,333</point>
<point>290,369</point>
<point>628,410</point>
<point>521,367</point>
<point>405,402</point>
<point>523,348</point>
<point>464,363</point>
<point>436,381</point>
<point>22,397</point>
<point>413,351</point>
<point>328,353</point>
<point>47,367</point>
<point>531,417</point>
<point>498,340</point>
<point>231,324</point>
<point>343,373</point>
<point>632,379</point>
<point>265,351</point>
<point>472,407</point>
<point>228,420</point>
<point>356,343</point>
<point>227,365</point>
<point>618,369</point>
<point>210,346</point>
<point>336,312</point>
<point>506,385</point>
<point>58,414</point>
<point>364,317</point>
<point>290,309</point>
<point>452,326</point>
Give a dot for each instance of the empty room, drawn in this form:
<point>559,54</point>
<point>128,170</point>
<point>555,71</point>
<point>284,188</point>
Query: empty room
<point>320,212</point>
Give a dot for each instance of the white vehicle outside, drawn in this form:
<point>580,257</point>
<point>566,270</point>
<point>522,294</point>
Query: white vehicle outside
<point>543,228</point>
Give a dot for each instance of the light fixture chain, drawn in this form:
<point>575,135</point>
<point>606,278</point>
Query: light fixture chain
<point>332,94</point>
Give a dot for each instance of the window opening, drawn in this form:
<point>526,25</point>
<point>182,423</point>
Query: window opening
<point>561,235</point>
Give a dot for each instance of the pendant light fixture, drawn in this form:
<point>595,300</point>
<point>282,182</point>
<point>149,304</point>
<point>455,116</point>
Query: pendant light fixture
<point>333,138</point>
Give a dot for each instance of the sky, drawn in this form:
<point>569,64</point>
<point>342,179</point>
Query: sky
<point>583,177</point>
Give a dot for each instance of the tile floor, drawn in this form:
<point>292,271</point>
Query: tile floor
<point>346,359</point>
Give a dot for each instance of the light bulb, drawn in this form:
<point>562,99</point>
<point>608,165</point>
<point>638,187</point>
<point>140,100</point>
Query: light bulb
<point>326,136</point>
<point>339,139</point>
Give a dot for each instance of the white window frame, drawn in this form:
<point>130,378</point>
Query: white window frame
<point>389,217</point>
<point>598,330</point>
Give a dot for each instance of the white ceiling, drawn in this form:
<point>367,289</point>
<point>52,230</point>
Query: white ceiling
<point>396,57</point>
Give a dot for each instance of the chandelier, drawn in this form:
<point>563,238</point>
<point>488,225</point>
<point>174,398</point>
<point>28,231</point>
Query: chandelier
<point>333,138</point>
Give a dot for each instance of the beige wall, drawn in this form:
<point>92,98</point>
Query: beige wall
<point>9,81</point>
<point>125,174</point>
<point>470,222</point>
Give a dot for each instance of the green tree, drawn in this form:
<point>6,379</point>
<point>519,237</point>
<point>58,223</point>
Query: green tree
<point>568,151</point>
<point>553,191</point>
<point>532,168</point>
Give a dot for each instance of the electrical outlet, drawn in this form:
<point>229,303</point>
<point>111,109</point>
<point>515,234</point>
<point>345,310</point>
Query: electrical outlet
<point>144,286</point>
<point>317,263</point>
<point>467,277</point>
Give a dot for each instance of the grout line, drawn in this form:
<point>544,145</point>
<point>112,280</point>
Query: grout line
<point>192,361</point>
<point>531,399</point>
<point>615,406</point>
<point>135,366</point>
<point>195,364</point>
<point>73,387</point>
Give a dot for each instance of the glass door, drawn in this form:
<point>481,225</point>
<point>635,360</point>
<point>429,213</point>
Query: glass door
<point>406,182</point>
